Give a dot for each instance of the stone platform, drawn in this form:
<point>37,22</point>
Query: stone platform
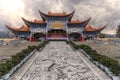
<point>57,61</point>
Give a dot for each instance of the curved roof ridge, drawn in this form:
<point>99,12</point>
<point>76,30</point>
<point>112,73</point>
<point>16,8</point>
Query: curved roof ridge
<point>35,20</point>
<point>55,14</point>
<point>101,28</point>
<point>90,28</point>
<point>22,28</point>
<point>78,21</point>
<point>86,19</point>
<point>75,21</point>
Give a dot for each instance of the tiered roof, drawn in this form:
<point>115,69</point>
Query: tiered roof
<point>35,21</point>
<point>56,14</point>
<point>85,22</point>
<point>22,28</point>
<point>70,15</point>
<point>89,28</point>
<point>38,21</point>
<point>74,21</point>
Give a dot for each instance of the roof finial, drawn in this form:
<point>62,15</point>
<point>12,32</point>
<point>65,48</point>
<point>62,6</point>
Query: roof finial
<point>49,12</point>
<point>64,12</point>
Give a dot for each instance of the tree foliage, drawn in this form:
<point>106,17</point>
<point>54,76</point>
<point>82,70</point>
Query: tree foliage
<point>118,31</point>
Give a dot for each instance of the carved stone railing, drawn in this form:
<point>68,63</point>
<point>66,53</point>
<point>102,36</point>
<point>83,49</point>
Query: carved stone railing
<point>112,41</point>
<point>101,41</point>
<point>1,42</point>
<point>115,42</point>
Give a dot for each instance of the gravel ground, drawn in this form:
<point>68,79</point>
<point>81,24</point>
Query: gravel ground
<point>109,50</point>
<point>6,51</point>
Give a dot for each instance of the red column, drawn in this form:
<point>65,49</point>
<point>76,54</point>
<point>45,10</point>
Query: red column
<point>82,38</point>
<point>15,36</point>
<point>31,39</point>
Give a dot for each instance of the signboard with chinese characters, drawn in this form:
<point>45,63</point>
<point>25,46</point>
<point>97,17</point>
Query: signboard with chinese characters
<point>57,25</point>
<point>38,30</point>
<point>74,30</point>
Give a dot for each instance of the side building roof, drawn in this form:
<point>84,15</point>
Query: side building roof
<point>78,23</point>
<point>28,23</point>
<point>22,28</point>
<point>89,28</point>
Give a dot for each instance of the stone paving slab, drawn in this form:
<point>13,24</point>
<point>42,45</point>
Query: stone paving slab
<point>57,61</point>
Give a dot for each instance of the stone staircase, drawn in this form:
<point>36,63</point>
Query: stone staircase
<point>58,61</point>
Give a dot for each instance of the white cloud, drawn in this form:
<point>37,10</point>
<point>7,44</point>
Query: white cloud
<point>102,11</point>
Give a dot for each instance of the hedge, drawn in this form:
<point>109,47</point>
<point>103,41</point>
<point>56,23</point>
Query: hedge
<point>16,59</point>
<point>112,64</point>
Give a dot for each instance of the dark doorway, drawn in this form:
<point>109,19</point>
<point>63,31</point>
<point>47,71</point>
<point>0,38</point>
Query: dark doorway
<point>39,36</point>
<point>57,34</point>
<point>75,36</point>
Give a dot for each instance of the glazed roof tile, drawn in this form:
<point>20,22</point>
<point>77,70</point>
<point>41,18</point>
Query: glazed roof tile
<point>22,28</point>
<point>89,28</point>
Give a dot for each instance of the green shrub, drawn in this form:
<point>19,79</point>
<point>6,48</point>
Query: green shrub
<point>9,64</point>
<point>41,45</point>
<point>67,42</point>
<point>16,59</point>
<point>112,64</point>
<point>21,55</point>
<point>3,69</point>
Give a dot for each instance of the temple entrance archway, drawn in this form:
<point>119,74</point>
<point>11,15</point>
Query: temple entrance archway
<point>57,34</point>
<point>39,36</point>
<point>75,36</point>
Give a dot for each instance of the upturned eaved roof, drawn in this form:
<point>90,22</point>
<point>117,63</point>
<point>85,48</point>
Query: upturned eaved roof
<point>35,21</point>
<point>27,22</point>
<point>74,21</point>
<point>78,21</point>
<point>89,28</point>
<point>56,14</point>
<point>22,28</point>
<point>63,14</point>
<point>38,21</point>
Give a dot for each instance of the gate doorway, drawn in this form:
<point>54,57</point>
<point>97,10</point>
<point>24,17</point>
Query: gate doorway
<point>39,36</point>
<point>57,34</point>
<point>75,36</point>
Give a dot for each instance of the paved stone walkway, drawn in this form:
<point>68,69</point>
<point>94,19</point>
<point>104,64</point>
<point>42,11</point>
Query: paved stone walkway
<point>57,61</point>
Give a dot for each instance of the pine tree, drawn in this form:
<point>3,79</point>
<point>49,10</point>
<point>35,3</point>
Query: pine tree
<point>118,31</point>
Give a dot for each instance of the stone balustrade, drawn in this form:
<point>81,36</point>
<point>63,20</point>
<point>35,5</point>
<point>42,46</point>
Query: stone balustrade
<point>115,42</point>
<point>14,41</point>
<point>107,41</point>
<point>1,42</point>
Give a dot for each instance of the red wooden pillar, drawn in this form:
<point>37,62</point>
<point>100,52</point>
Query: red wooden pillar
<point>15,36</point>
<point>82,38</point>
<point>31,39</point>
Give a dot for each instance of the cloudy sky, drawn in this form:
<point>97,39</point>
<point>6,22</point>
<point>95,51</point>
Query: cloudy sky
<point>102,11</point>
